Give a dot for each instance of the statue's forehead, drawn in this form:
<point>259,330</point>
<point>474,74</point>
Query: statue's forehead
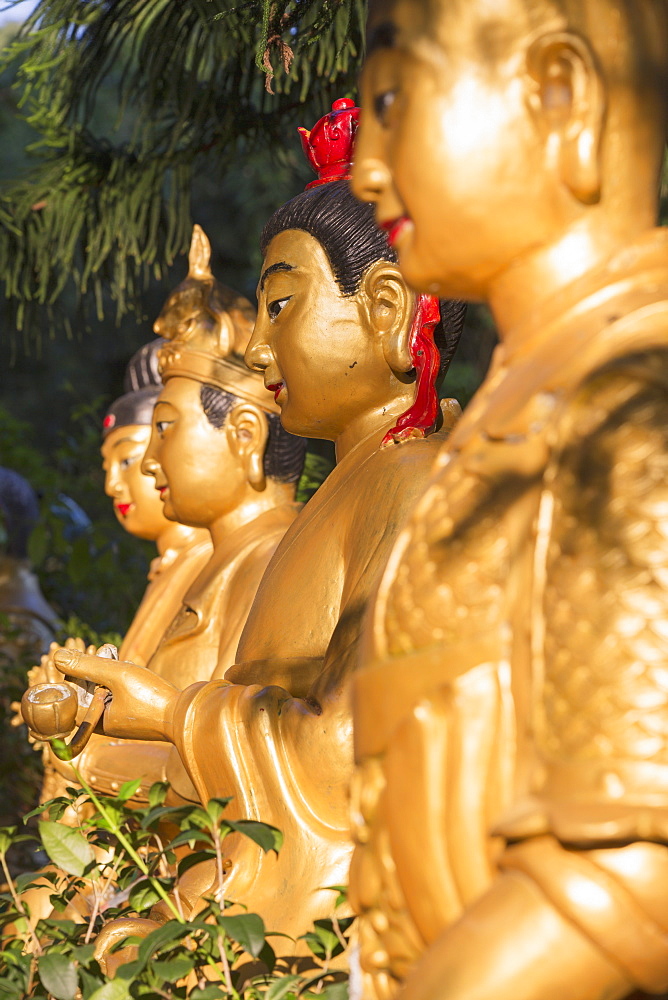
<point>403,22</point>
<point>301,251</point>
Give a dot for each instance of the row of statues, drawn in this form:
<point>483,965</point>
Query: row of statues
<point>443,679</point>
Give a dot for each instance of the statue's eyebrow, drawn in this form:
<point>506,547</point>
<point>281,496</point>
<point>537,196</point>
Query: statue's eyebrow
<point>381,36</point>
<point>280,266</point>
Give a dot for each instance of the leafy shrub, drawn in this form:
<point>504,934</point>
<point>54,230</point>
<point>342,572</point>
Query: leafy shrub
<point>202,958</point>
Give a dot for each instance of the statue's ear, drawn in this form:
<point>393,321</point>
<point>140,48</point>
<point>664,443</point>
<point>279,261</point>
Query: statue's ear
<point>389,305</point>
<point>568,102</point>
<point>248,433</point>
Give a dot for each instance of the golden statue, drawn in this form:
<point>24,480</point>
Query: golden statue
<point>218,460</point>
<point>511,798</point>
<point>339,339</point>
<point>182,550</point>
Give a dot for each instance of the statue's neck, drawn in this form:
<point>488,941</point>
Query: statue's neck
<point>549,281</point>
<point>373,422</point>
<point>252,505</point>
<point>175,536</point>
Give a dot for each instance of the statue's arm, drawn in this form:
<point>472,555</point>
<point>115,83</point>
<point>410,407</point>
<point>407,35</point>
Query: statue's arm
<point>578,908</point>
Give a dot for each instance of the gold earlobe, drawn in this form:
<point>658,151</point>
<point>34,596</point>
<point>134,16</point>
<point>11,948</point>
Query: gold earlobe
<point>256,476</point>
<point>580,167</point>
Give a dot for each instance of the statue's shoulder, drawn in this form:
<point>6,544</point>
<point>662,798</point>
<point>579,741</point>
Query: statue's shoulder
<point>412,458</point>
<point>393,479</point>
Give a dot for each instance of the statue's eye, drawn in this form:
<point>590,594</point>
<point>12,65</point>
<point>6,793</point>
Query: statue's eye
<point>382,104</point>
<point>275,307</point>
<point>125,463</point>
<point>162,425</point>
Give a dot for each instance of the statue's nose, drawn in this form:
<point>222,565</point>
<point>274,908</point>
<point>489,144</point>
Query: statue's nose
<point>370,179</point>
<point>258,354</point>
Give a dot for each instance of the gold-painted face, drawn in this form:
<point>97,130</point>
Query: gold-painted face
<point>449,148</point>
<point>136,504</point>
<point>313,345</point>
<point>196,474</point>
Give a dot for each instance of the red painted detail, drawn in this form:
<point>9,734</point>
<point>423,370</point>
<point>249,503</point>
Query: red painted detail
<point>420,418</point>
<point>276,389</point>
<point>329,145</point>
<point>109,421</point>
<point>394,228</point>
<point>124,508</point>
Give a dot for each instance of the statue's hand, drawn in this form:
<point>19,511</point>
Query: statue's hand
<point>114,932</point>
<point>141,704</point>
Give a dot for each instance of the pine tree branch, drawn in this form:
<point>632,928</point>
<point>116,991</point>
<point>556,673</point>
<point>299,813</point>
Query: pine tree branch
<point>104,211</point>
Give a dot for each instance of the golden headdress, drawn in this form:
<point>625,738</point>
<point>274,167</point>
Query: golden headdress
<point>208,326</point>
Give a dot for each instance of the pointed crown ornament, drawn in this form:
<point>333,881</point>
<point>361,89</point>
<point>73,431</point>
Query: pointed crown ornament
<point>328,147</point>
<point>208,327</point>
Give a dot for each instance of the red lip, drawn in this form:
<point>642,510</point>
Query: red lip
<point>276,389</point>
<point>161,490</point>
<point>124,508</point>
<point>393,228</point>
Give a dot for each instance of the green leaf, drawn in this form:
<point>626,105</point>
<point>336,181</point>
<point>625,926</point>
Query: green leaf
<point>117,989</point>
<point>267,837</point>
<point>194,858</point>
<point>66,847</point>
<point>189,837</point>
<point>166,934</point>
<point>247,929</point>
<point>6,838</point>
<point>208,993</point>
<point>84,954</point>
<point>143,896</point>
<point>336,991</point>
<point>157,793</point>
<point>342,894</point>
<point>281,987</point>
<point>58,974</point>
<point>127,789</point>
<point>268,957</point>
<point>216,807</point>
<point>26,879</point>
<point>174,969</point>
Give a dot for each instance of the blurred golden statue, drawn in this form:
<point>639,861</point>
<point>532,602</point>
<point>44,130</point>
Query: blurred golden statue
<point>217,460</point>
<point>511,799</point>
<point>27,621</point>
<point>339,339</point>
<point>182,550</point>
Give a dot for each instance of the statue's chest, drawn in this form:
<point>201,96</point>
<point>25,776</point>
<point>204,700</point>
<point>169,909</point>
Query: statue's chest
<point>463,574</point>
